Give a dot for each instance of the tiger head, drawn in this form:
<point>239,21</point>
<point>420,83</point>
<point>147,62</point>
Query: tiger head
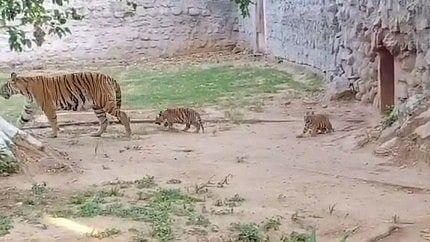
<point>160,118</point>
<point>12,87</point>
<point>309,116</point>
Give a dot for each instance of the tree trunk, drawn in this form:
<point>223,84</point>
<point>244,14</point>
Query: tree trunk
<point>16,146</point>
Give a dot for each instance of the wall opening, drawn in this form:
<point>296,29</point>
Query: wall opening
<point>260,28</point>
<point>386,79</point>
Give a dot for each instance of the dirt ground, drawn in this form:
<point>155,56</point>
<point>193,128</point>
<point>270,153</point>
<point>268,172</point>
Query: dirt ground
<point>321,181</point>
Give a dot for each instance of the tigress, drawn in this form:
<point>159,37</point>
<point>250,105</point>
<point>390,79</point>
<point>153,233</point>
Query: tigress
<point>75,91</point>
<point>186,116</point>
<point>316,123</point>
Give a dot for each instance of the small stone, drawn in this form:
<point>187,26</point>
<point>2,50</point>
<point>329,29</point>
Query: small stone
<point>176,11</point>
<point>193,11</point>
<point>206,13</point>
<point>145,38</point>
<point>324,106</point>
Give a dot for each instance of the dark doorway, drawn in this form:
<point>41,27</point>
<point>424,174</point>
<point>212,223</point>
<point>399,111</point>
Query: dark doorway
<point>386,77</point>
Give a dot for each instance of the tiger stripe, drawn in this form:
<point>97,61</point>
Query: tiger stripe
<point>315,123</point>
<point>180,115</point>
<point>79,91</point>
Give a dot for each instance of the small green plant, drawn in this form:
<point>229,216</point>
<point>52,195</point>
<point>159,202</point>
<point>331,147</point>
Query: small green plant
<point>234,201</point>
<point>248,232</point>
<point>90,209</point>
<point>146,182</point>
<point>244,7</point>
<point>390,116</point>
<point>199,220</point>
<point>5,225</point>
<point>112,192</point>
<point>38,189</point>
<point>271,223</point>
<point>300,237</point>
<point>8,167</point>
<point>80,198</point>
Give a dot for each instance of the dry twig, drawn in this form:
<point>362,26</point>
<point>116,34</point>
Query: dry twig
<point>390,231</point>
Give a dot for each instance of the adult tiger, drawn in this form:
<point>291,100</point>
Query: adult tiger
<point>71,92</point>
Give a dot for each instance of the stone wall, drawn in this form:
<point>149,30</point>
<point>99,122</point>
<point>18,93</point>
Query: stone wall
<point>158,28</point>
<point>343,39</point>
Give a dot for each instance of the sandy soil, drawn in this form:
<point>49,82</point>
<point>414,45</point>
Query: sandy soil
<point>277,173</point>
<point>280,174</point>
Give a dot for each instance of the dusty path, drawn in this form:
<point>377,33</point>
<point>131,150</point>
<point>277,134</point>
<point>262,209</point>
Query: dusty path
<point>275,172</point>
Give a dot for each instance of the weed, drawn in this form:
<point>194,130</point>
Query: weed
<point>80,198</point>
<point>5,225</point>
<point>271,223</point>
<point>390,116</point>
<point>112,192</point>
<point>8,167</point>
<point>234,201</point>
<point>146,182</point>
<point>90,209</point>
<point>300,237</point>
<point>199,220</point>
<point>249,232</point>
<point>38,189</point>
<point>105,234</point>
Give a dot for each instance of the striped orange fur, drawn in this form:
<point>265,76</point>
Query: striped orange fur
<point>317,123</point>
<point>71,92</point>
<point>185,116</point>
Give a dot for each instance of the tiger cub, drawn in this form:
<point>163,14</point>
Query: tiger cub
<point>185,116</point>
<point>316,123</point>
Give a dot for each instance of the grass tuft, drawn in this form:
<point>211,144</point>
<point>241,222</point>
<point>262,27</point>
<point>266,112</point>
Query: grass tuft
<point>5,225</point>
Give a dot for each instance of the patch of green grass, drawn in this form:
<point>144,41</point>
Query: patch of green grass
<point>195,86</point>
<point>5,225</point>
<point>159,209</point>
<point>249,232</point>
